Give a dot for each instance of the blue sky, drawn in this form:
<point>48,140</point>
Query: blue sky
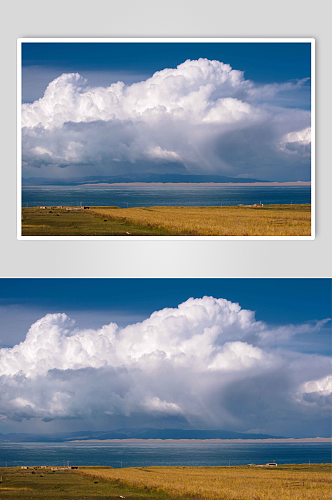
<point>248,355</point>
<point>261,62</point>
<point>298,299</point>
<point>236,109</point>
<point>94,302</point>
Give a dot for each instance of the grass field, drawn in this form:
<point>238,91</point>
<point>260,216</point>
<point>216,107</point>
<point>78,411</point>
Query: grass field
<point>271,220</point>
<point>290,482</point>
<point>61,222</point>
<point>297,482</point>
<point>18,484</point>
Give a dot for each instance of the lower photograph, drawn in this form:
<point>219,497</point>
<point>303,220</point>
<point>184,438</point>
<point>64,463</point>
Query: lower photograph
<point>165,388</point>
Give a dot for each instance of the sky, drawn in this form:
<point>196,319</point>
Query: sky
<point>245,355</point>
<point>236,109</point>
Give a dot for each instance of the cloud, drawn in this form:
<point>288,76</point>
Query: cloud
<point>155,405</point>
<point>297,142</point>
<point>17,318</point>
<point>317,393</point>
<point>193,363</point>
<point>163,154</point>
<point>283,334</point>
<point>35,79</point>
<point>271,90</point>
<point>188,114</point>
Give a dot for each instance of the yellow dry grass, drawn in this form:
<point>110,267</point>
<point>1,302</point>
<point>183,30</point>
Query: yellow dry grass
<point>227,483</point>
<point>274,220</point>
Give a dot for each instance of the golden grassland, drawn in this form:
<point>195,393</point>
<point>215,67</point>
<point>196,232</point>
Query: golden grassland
<point>291,482</point>
<point>272,220</point>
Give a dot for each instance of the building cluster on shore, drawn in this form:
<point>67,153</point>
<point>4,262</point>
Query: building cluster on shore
<point>272,464</point>
<point>36,467</point>
<point>256,205</point>
<point>67,208</point>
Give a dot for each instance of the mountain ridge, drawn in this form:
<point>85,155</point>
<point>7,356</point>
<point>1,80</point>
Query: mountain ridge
<point>144,433</point>
<point>130,178</point>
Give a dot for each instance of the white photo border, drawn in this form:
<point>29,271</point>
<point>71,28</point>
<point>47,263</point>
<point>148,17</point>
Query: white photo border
<point>20,41</point>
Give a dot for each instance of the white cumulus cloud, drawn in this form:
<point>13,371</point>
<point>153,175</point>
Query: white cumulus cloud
<point>297,142</point>
<point>191,114</point>
<point>317,392</point>
<point>205,363</point>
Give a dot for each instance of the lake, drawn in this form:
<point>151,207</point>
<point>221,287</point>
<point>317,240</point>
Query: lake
<point>148,454</point>
<point>147,196</point>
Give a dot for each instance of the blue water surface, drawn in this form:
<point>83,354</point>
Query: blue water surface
<point>147,196</point>
<point>149,454</point>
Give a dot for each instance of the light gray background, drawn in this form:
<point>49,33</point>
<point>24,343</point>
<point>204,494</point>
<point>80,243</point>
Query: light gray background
<point>160,18</point>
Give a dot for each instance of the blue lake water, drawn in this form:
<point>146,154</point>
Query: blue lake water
<point>147,196</point>
<point>148,454</point>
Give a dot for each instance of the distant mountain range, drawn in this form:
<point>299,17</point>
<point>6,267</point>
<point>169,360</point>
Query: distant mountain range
<point>146,433</point>
<point>129,178</point>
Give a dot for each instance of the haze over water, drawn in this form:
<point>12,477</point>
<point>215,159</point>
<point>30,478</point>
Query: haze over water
<point>147,196</point>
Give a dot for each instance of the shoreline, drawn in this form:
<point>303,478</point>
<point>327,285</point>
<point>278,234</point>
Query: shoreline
<point>271,440</point>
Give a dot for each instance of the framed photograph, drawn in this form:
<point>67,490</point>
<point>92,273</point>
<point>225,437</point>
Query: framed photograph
<point>166,383</point>
<point>166,138</point>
